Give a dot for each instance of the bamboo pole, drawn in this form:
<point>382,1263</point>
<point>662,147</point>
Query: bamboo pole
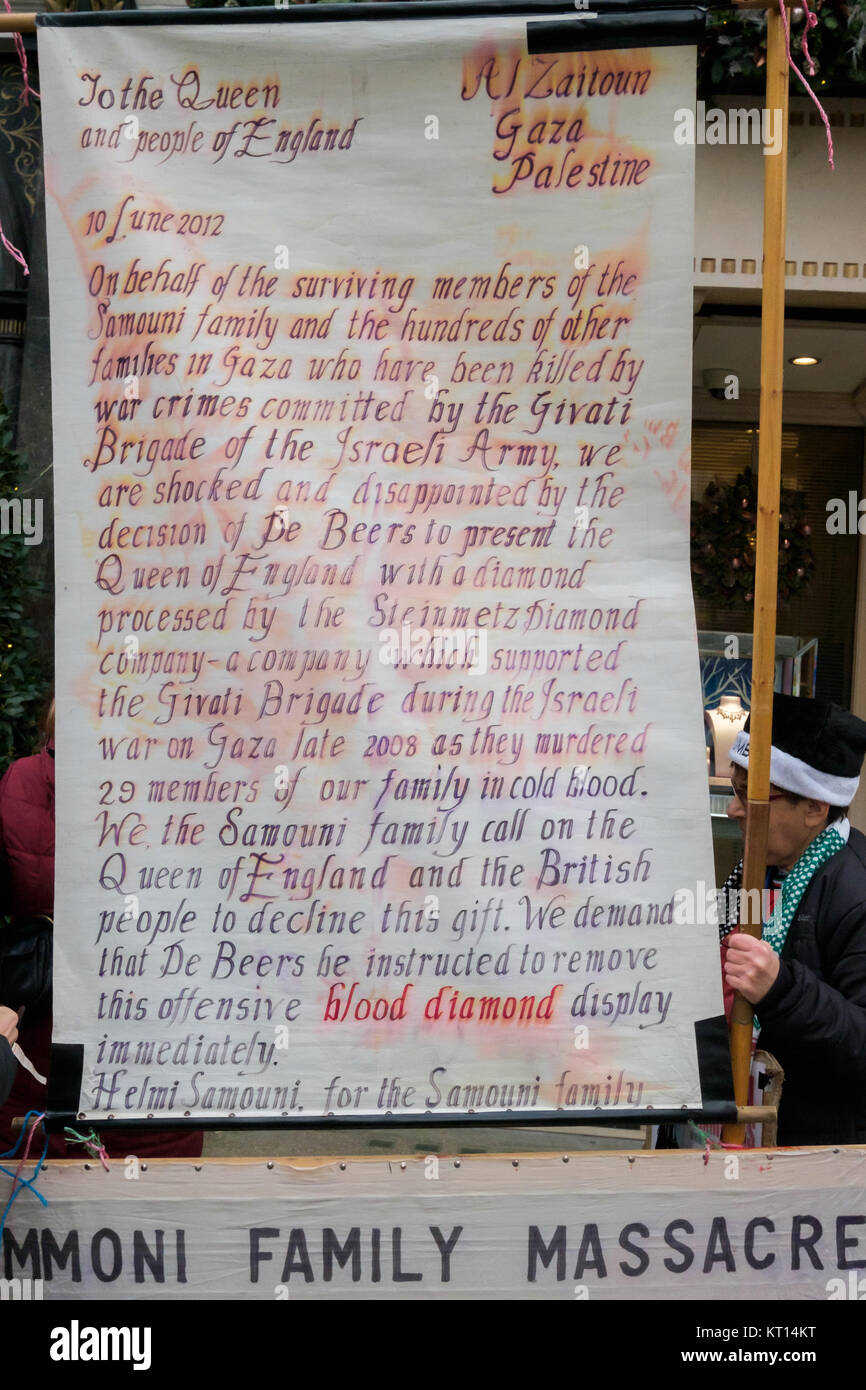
<point>767,541</point>
<point>17,23</point>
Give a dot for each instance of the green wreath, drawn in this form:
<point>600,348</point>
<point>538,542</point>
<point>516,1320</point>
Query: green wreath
<point>723,543</point>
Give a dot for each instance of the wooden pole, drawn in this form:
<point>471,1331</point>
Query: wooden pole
<point>767,542</point>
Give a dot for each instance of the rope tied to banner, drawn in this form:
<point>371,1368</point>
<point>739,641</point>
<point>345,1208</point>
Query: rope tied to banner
<point>22,58</point>
<point>811,21</point>
<point>19,1183</point>
<point>92,1142</point>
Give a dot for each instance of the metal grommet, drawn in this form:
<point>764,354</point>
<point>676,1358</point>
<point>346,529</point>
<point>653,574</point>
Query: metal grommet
<point>343,1167</point>
<point>144,1167</point>
<point>457,1163</point>
<point>403,1165</point>
<point>87,1167</point>
<point>631,1158</point>
<point>270,1164</point>
<point>515,1163</point>
<point>150,1117</point>
<point>565,1158</point>
<point>186,1114</point>
<point>197,1167</point>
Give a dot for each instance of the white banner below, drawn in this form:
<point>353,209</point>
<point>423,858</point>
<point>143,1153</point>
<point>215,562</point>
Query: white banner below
<point>759,1225</point>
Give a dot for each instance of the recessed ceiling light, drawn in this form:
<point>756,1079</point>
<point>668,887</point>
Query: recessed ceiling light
<point>804,361</point>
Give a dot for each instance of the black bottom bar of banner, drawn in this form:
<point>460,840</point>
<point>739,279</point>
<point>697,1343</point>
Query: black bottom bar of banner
<point>720,1113</point>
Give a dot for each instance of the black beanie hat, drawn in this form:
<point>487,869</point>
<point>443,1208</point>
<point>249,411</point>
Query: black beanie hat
<point>817,749</point>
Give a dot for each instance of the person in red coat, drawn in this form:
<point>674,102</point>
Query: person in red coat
<point>27,889</point>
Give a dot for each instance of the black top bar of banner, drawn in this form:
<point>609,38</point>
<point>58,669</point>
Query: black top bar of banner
<point>619,23</point>
<point>649,29</point>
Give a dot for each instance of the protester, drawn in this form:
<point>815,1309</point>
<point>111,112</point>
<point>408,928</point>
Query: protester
<point>806,977</point>
<point>27,890</point>
<point>8,1063</point>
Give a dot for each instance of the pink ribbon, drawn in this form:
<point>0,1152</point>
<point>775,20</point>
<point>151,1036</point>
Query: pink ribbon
<point>30,1133</point>
<point>811,21</point>
<point>22,58</point>
<point>13,250</point>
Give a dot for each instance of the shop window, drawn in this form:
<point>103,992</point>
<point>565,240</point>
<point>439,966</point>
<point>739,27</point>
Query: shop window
<point>822,463</point>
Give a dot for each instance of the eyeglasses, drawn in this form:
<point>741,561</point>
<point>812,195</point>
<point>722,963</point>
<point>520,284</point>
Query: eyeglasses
<point>742,794</point>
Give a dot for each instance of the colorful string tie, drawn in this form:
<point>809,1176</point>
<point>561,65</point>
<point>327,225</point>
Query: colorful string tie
<point>710,1140</point>
<point>811,21</point>
<point>22,58</point>
<point>19,1183</point>
<point>92,1142</point>
<point>26,93</point>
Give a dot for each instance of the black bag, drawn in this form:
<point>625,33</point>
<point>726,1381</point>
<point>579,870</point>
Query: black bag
<point>25,962</point>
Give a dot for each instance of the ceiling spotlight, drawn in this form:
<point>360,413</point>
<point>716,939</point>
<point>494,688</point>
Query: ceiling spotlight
<point>804,361</point>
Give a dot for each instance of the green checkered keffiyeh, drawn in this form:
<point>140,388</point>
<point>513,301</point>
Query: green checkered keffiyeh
<point>822,848</point>
<point>775,931</point>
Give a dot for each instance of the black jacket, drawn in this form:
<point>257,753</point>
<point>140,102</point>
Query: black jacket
<point>8,1068</point>
<point>814,1017</point>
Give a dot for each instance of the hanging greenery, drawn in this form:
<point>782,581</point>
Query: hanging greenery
<point>733,53</point>
<point>25,674</point>
<point>723,543</point>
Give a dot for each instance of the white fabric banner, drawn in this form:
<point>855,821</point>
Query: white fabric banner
<point>380,755</point>
<point>758,1226</point>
